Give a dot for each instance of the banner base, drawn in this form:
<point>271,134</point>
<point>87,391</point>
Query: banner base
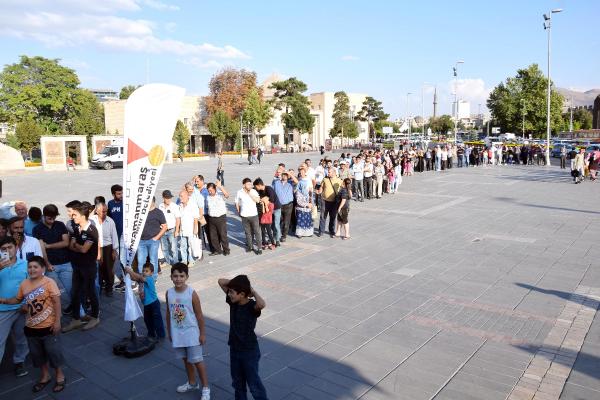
<point>134,345</point>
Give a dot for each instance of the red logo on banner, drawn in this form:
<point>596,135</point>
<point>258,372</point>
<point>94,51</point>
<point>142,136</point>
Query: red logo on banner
<point>134,152</point>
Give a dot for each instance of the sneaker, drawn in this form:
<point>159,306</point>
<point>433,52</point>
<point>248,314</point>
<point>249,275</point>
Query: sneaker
<point>92,324</point>
<point>74,324</point>
<point>21,371</point>
<point>205,393</point>
<point>120,287</point>
<point>186,387</point>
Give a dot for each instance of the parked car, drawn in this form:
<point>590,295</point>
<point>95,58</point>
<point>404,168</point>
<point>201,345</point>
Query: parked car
<point>555,152</point>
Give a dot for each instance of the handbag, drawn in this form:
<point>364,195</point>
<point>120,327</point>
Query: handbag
<point>314,212</point>
<point>196,247</point>
<point>267,217</point>
<point>132,308</point>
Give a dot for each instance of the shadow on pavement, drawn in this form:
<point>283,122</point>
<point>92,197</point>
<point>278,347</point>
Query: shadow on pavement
<point>292,365</point>
<point>558,293</point>
<point>585,363</point>
<point>507,199</point>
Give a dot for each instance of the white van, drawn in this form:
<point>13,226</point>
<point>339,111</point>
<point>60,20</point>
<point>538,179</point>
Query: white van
<point>110,157</point>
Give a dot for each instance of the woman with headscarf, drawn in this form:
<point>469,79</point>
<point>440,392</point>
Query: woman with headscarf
<point>304,204</point>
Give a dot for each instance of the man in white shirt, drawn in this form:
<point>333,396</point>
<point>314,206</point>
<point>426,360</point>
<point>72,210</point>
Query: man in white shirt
<point>27,246</point>
<point>168,241</point>
<point>189,214</point>
<point>368,178</point>
<point>358,176</point>
<point>108,247</point>
<point>310,171</point>
<point>245,203</point>
<point>217,218</point>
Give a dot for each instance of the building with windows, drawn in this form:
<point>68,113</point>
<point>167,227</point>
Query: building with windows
<point>193,113</point>
<point>105,94</point>
<point>6,129</point>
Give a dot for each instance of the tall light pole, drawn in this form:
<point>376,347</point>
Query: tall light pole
<point>423,110</point>
<point>547,26</point>
<point>523,115</point>
<point>456,98</point>
<point>571,120</point>
<point>408,114</point>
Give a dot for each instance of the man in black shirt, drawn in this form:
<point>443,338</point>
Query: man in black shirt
<point>155,227</point>
<point>54,238</point>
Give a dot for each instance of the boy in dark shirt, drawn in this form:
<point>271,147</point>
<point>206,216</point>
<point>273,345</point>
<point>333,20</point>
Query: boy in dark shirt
<point>244,352</point>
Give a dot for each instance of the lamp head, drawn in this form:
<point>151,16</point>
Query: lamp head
<point>546,17</point>
<point>557,10</point>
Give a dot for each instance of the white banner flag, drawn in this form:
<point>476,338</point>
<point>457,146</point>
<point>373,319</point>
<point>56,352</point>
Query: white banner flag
<point>150,116</point>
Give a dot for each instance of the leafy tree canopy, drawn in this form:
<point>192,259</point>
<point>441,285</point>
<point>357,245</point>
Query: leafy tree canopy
<point>127,90</point>
<point>525,95</point>
<point>181,136</point>
<point>228,91</point>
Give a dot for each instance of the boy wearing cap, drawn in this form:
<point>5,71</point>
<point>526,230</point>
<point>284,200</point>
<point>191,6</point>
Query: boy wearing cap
<point>168,241</point>
<point>54,238</point>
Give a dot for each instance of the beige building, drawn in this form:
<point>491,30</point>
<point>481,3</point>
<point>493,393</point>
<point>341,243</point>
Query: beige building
<point>191,116</point>
<point>192,113</point>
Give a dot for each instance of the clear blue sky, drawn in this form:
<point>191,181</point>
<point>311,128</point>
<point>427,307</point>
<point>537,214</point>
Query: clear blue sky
<point>382,48</point>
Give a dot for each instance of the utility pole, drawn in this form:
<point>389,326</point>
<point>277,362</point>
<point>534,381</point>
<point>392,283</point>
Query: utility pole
<point>547,26</point>
<point>241,135</point>
<point>523,115</point>
<point>571,120</point>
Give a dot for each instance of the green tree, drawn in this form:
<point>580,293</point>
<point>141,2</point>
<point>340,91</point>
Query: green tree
<point>582,119</point>
<point>87,116</point>
<point>181,136</point>
<point>38,89</point>
<point>127,90</point>
<point>27,135</point>
<point>289,97</point>
<point>343,124</point>
<point>222,127</point>
<point>371,111</point>
<point>441,124</point>
<point>525,94</point>
<point>257,112</point>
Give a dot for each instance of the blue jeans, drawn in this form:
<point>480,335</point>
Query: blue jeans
<point>168,243</point>
<point>277,224</point>
<point>221,177</point>
<point>438,163</point>
<point>63,275</point>
<point>185,249</point>
<point>153,320</point>
<point>244,371</point>
<point>148,248</point>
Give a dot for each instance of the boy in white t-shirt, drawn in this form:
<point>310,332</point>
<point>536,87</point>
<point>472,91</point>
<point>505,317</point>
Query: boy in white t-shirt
<point>185,329</point>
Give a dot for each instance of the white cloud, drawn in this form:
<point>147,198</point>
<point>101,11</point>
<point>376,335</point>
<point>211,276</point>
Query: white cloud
<point>199,63</point>
<point>472,90</point>
<point>89,26</point>
<point>349,58</point>
<point>170,27</point>
<point>158,5</point>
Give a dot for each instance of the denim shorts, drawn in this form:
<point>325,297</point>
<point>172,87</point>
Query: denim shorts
<point>192,354</point>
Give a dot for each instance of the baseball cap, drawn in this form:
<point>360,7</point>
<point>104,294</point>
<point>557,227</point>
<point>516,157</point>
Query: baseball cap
<point>166,194</point>
<point>50,210</point>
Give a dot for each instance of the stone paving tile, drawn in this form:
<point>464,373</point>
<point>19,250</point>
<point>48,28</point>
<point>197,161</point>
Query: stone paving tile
<point>339,319</point>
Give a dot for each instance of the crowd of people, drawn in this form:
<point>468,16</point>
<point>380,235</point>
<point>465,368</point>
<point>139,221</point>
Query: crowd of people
<point>42,257</point>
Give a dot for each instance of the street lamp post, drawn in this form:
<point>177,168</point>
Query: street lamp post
<point>523,115</point>
<point>408,115</point>
<point>423,110</point>
<point>456,98</point>
<point>571,119</point>
<point>547,26</point>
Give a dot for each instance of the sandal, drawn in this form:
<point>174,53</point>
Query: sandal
<point>38,387</point>
<point>59,386</point>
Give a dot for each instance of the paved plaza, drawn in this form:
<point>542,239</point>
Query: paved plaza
<point>479,283</point>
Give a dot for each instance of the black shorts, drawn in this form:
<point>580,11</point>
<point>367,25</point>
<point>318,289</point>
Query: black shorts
<point>46,349</point>
<point>342,216</point>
